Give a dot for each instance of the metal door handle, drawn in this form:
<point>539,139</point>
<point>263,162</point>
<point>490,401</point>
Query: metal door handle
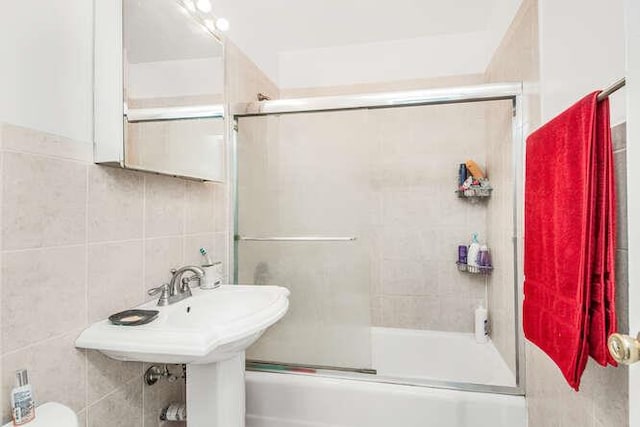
<point>624,348</point>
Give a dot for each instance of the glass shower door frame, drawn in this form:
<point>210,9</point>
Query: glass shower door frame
<point>463,94</point>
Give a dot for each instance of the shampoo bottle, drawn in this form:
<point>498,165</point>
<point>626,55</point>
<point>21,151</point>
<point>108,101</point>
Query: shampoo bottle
<point>23,408</point>
<point>474,251</point>
<point>484,258</point>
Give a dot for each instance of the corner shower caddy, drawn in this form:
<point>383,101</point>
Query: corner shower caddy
<point>475,193</point>
<point>473,269</point>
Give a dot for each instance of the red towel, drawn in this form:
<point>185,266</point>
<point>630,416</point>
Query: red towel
<point>569,242</point>
<point>602,308</point>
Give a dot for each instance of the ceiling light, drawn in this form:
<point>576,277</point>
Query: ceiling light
<point>222,24</point>
<point>204,6</point>
<point>191,7</point>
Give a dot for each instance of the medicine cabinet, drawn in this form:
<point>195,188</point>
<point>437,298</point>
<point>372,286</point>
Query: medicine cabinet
<point>159,89</point>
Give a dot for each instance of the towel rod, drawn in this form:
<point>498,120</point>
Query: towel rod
<point>296,239</point>
<point>609,90</point>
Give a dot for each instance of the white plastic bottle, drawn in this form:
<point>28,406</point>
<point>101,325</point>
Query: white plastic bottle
<point>23,408</point>
<point>474,251</point>
<point>481,325</point>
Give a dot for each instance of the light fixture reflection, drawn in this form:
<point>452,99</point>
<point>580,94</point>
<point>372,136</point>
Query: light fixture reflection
<point>222,24</point>
<point>204,6</point>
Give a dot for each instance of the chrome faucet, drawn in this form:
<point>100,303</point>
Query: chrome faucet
<point>178,288</point>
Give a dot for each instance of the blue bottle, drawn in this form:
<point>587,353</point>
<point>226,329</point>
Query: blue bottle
<point>462,174</point>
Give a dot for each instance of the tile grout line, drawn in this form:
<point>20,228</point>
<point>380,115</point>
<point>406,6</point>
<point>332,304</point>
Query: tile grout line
<point>86,293</point>
<point>184,245</point>
<point>40,248</point>
<point>43,341</point>
<point>106,242</point>
<point>144,235</point>
<point>115,242</point>
<point>184,222</point>
<point>144,268</point>
<point>48,156</point>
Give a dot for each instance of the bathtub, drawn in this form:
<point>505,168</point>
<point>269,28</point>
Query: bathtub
<point>289,400</point>
<point>436,355</point>
<point>306,400</point>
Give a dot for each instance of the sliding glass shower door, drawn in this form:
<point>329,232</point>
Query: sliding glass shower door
<point>303,222</point>
<point>356,212</point>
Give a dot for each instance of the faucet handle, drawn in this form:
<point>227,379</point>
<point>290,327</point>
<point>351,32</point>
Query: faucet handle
<point>164,290</point>
<point>186,281</point>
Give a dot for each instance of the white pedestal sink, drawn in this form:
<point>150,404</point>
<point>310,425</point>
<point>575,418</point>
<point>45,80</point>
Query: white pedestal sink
<point>215,393</point>
<point>209,332</point>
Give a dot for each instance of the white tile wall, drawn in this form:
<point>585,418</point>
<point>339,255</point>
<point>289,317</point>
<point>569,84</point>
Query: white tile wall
<point>81,241</point>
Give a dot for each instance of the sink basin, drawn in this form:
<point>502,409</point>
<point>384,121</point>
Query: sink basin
<point>210,326</point>
<point>209,332</point>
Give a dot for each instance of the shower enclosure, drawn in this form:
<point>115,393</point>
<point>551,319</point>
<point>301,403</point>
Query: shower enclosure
<point>350,203</point>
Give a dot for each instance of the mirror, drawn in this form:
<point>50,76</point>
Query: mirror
<point>171,90</point>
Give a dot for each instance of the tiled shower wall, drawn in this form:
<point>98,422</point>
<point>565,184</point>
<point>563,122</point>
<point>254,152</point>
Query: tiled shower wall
<point>81,241</point>
<point>516,59</point>
<point>420,220</point>
<point>501,289</point>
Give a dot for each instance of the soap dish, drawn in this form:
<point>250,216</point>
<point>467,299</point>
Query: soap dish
<point>133,317</point>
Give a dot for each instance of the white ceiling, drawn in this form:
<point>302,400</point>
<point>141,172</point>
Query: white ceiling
<point>265,29</point>
<point>305,24</point>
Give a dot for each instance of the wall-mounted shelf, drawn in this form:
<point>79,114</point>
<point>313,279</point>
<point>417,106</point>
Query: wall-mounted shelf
<point>472,269</point>
<point>475,191</point>
<point>472,182</point>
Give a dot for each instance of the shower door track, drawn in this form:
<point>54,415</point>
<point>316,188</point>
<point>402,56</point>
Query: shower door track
<point>358,375</point>
<point>462,94</point>
<point>261,365</point>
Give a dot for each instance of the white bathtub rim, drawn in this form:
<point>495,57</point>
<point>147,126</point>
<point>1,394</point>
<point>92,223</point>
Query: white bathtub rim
<point>286,400</point>
<point>375,384</point>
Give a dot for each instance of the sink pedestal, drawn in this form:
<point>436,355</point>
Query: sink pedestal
<point>215,393</point>
<point>208,331</point>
